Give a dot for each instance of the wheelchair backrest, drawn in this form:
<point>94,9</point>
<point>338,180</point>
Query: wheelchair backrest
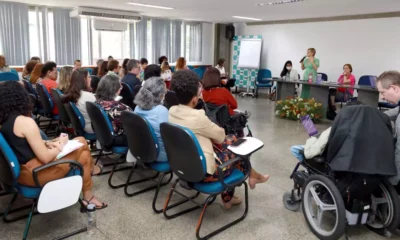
<point>101,124</point>
<point>9,165</point>
<point>142,140</point>
<point>184,153</point>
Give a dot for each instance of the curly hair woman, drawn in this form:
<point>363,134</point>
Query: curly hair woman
<point>23,135</point>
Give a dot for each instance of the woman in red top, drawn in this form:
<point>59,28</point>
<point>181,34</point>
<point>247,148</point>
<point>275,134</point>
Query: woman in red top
<point>50,74</point>
<point>215,94</point>
<point>342,94</point>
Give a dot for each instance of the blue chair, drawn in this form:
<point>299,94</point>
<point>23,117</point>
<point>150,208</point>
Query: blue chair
<point>14,71</point>
<point>90,71</point>
<point>127,95</point>
<point>106,137</point>
<point>57,97</point>
<point>324,76</point>
<point>190,67</point>
<point>367,80</point>
<point>199,72</point>
<point>188,163</point>
<point>78,122</point>
<point>262,80</point>
<point>47,105</point>
<point>67,188</point>
<point>172,68</point>
<point>143,145</point>
<point>9,76</point>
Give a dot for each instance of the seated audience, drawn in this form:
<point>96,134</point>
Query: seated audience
<point>149,105</point>
<point>181,64</point>
<point>113,67</point>
<point>28,69</point>
<point>103,69</point>
<point>314,146</point>
<point>97,68</point>
<point>50,74</point>
<point>166,73</point>
<point>288,73</point>
<point>36,75</point>
<point>109,88</point>
<point>227,83</point>
<point>77,64</point>
<point>214,93</point>
<point>123,70</point>
<point>186,85</point>
<point>342,94</point>
<point>36,59</point>
<point>221,68</point>
<point>23,135</point>
<point>110,58</point>
<point>152,70</point>
<point>144,63</point>
<point>79,93</point>
<point>3,65</point>
<point>133,69</point>
<point>65,78</point>
<point>162,59</point>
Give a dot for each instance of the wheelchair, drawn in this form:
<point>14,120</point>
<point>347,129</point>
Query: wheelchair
<point>333,200</point>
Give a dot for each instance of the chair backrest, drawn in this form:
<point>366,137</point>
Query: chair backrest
<point>44,99</point>
<point>57,97</point>
<point>184,153</point>
<point>324,76</point>
<point>14,71</point>
<point>9,76</point>
<point>218,114</point>
<point>170,99</point>
<point>90,71</point>
<point>76,118</point>
<point>190,67</point>
<point>142,140</point>
<point>9,165</point>
<point>367,80</point>
<point>199,72</point>
<point>94,83</point>
<point>29,88</point>
<point>172,68</point>
<point>263,74</point>
<point>101,124</point>
<point>127,95</point>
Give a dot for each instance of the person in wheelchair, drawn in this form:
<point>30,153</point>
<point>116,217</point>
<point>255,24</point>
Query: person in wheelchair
<point>23,135</point>
<point>187,88</point>
<point>349,179</point>
<point>217,95</point>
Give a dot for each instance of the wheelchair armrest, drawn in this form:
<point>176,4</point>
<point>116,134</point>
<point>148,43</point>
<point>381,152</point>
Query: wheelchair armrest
<point>221,167</point>
<point>52,164</point>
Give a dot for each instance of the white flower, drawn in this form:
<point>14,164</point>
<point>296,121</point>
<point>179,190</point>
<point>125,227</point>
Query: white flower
<point>312,115</point>
<point>277,112</point>
<point>298,116</point>
<point>300,99</point>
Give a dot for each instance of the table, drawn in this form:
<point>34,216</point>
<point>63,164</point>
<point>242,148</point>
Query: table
<point>320,91</point>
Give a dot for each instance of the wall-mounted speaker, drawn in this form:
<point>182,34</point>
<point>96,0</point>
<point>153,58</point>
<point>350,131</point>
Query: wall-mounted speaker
<point>230,32</point>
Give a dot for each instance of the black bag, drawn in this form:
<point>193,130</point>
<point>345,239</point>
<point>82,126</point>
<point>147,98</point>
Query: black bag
<point>217,114</point>
<point>237,123</point>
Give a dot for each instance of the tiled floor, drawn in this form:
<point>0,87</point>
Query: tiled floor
<point>133,218</point>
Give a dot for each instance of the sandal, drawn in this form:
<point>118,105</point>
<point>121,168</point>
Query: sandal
<point>84,207</point>
<point>101,170</point>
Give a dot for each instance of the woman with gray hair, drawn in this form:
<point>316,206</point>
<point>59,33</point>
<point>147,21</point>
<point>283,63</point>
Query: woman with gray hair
<point>108,89</point>
<point>149,105</point>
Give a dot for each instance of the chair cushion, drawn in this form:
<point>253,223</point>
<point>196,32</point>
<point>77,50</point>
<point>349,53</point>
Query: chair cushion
<point>119,149</point>
<point>236,176</point>
<point>160,166</point>
<point>90,136</point>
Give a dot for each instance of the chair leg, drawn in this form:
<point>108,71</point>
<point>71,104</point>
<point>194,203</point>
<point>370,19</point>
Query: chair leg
<point>9,210</point>
<point>207,202</point>
<point>48,126</point>
<point>114,170</point>
<point>159,185</point>
<point>28,224</point>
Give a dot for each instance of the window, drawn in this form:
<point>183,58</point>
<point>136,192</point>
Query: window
<point>51,39</point>
<point>85,59</point>
<point>149,43</point>
<point>36,35</point>
<point>34,40</point>
<point>193,42</point>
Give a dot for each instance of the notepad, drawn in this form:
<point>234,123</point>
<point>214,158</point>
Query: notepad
<point>71,146</point>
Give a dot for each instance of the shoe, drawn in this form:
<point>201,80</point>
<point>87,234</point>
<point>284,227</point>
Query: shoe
<point>234,201</point>
<point>254,181</point>
<point>84,206</point>
<point>99,173</point>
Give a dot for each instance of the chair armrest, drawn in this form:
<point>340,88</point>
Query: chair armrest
<point>52,164</point>
<point>221,167</point>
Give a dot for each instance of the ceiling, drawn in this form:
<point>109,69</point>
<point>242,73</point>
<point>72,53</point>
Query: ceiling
<point>222,10</point>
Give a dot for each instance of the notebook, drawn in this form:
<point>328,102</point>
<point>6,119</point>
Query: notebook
<point>71,146</point>
<point>309,125</point>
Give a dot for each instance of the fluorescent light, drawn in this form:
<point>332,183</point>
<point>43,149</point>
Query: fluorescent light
<point>278,2</point>
<point>247,18</point>
<point>150,6</point>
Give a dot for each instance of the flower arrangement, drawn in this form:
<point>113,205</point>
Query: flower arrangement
<point>294,108</point>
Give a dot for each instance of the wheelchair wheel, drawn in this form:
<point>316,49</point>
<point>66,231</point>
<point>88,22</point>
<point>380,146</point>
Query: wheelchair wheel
<point>385,207</point>
<point>290,203</point>
<point>323,208</point>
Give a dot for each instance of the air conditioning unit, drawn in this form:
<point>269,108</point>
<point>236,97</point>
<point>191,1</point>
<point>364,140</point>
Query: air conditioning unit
<point>104,25</point>
<point>115,15</point>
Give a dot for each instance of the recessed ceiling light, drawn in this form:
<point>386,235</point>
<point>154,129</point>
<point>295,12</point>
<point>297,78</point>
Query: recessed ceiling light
<point>279,2</point>
<point>247,18</point>
<point>150,6</point>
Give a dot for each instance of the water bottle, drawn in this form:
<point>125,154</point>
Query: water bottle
<point>310,78</point>
<point>91,214</point>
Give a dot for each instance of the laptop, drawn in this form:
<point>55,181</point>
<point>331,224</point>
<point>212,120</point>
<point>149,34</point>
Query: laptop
<point>309,125</point>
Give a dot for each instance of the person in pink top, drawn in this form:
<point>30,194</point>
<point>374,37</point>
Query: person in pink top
<point>342,94</point>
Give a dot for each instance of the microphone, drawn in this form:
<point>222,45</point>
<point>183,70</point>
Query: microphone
<point>302,60</point>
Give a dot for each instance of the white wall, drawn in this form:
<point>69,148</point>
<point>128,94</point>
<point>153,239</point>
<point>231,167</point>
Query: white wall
<point>370,45</point>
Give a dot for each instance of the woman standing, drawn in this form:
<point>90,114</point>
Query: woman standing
<point>166,73</point>
<point>310,65</point>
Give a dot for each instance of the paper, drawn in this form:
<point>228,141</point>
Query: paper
<point>71,146</point>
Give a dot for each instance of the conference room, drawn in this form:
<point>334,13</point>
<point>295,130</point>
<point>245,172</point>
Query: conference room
<point>183,119</point>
